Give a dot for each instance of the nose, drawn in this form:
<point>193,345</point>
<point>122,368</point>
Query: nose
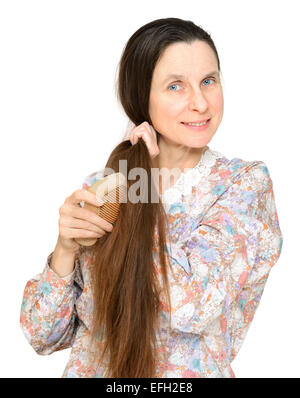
<point>198,101</point>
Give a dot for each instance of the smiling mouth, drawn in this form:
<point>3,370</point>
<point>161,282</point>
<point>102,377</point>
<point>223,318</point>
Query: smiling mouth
<point>198,124</point>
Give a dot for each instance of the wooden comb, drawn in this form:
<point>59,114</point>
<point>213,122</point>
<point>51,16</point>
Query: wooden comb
<point>111,190</point>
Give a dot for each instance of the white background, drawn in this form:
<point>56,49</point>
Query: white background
<point>60,120</point>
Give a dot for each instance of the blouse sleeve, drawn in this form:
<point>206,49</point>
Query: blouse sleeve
<point>228,258</point>
<point>48,315</point>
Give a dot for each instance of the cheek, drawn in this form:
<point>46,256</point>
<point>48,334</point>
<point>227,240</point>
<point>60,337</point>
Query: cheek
<point>165,111</point>
<point>217,102</point>
<point>173,107</point>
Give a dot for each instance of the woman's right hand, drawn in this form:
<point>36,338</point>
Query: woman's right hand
<point>149,136</point>
<point>78,222</point>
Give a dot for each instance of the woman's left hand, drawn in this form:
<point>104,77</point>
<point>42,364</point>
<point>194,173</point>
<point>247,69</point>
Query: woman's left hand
<point>149,135</point>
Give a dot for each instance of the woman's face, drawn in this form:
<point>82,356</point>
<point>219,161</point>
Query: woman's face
<point>196,96</point>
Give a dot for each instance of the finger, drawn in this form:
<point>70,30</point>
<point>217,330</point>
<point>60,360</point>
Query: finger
<point>71,222</point>
<point>129,131</point>
<point>132,128</point>
<point>154,133</point>
<point>154,151</point>
<point>80,233</point>
<point>151,145</point>
<point>85,214</point>
<point>136,137</point>
<point>147,139</point>
<point>83,195</point>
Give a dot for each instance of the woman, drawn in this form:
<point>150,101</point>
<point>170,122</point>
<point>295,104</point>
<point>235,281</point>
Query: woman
<point>171,288</point>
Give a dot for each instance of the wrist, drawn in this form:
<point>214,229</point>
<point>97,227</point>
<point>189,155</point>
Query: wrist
<point>62,261</point>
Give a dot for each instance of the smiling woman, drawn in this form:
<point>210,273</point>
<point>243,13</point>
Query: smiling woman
<point>173,287</point>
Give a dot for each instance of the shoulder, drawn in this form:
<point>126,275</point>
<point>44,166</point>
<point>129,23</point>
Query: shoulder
<point>228,182</point>
<point>199,188</point>
<point>253,173</point>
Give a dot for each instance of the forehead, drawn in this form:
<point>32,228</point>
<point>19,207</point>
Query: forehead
<point>186,58</point>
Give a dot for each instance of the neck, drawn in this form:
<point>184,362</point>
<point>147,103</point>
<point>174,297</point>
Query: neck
<point>182,159</point>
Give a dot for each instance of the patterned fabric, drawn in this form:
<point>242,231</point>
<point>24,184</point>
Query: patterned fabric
<point>224,240</point>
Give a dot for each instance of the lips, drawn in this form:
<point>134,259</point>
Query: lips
<point>196,121</point>
<point>197,128</point>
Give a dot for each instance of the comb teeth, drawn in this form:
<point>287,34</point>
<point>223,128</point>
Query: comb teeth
<point>109,211</point>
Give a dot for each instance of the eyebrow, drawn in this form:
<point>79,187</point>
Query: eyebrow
<point>177,76</point>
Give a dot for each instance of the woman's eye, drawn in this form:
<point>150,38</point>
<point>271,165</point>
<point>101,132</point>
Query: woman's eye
<point>173,85</point>
<point>208,80</point>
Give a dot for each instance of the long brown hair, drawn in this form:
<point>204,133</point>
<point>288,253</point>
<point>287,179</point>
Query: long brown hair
<point>126,288</point>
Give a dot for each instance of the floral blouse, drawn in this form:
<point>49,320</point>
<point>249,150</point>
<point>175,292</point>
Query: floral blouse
<point>224,240</point>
